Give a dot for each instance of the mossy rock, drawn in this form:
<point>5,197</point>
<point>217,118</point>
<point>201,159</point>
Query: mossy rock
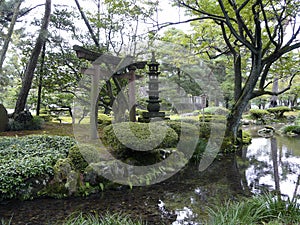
<point>3,118</point>
<point>82,155</point>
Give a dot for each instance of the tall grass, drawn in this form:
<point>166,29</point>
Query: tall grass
<point>264,209</point>
<point>107,219</point>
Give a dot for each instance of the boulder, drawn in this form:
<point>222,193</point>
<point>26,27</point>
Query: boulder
<point>3,118</point>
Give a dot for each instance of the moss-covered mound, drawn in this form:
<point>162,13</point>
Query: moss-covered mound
<point>139,136</point>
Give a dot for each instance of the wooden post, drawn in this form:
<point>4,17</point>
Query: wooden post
<point>132,100</point>
<point>94,103</point>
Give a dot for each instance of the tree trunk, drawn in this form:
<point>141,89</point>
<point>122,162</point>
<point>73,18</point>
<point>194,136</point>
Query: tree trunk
<point>234,117</point>
<point>9,34</point>
<point>29,72</point>
<point>274,98</point>
<point>237,76</point>
<point>40,84</point>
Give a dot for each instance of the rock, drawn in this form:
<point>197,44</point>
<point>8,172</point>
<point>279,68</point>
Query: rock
<point>3,118</point>
<point>266,132</point>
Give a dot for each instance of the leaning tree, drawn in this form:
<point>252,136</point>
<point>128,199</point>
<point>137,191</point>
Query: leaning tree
<point>258,32</point>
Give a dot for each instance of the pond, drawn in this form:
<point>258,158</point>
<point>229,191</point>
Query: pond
<point>265,165</point>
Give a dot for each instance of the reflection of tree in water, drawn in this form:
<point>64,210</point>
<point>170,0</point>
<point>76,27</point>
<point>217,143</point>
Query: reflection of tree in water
<point>272,166</point>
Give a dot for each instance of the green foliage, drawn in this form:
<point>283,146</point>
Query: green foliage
<point>212,118</point>
<point>278,111</point>
<point>46,117</point>
<point>77,159</point>
<point>121,136</point>
<point>256,210</point>
<point>83,154</point>
<point>35,124</point>
<point>182,128</point>
<point>291,129</point>
<point>24,159</point>
<point>258,114</point>
<point>106,219</point>
<point>104,120</point>
<point>246,136</point>
<point>216,110</point>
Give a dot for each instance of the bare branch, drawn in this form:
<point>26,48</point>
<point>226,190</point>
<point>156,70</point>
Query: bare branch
<point>233,31</point>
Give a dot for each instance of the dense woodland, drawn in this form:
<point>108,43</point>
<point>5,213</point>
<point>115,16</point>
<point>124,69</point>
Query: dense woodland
<point>251,47</point>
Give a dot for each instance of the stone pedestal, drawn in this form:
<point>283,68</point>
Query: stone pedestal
<point>3,118</point>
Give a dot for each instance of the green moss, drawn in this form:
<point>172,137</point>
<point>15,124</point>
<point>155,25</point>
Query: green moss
<point>246,138</point>
<point>136,136</point>
<point>77,159</point>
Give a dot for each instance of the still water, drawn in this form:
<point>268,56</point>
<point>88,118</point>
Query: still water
<point>266,165</point>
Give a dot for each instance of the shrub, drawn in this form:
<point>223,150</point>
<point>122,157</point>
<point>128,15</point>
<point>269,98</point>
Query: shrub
<point>291,129</point>
<point>23,160</point>
<point>137,136</point>
<point>279,111</point>
<point>35,123</point>
<point>212,118</point>
<point>83,154</point>
<point>258,114</point>
<point>216,110</point>
<point>104,119</point>
<point>182,128</point>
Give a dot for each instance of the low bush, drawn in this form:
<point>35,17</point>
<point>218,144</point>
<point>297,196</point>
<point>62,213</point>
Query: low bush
<point>216,110</point>
<point>138,136</point>
<point>104,120</point>
<point>258,114</point>
<point>279,111</point>
<point>289,129</point>
<point>23,160</point>
<point>212,118</point>
<point>35,123</point>
<point>82,155</point>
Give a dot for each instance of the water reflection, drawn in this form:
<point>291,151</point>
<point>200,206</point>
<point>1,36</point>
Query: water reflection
<point>274,164</point>
<point>267,164</point>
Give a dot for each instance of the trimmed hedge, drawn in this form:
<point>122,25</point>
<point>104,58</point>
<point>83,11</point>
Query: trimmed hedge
<point>279,111</point>
<point>104,119</point>
<point>258,114</point>
<point>137,136</point>
<point>216,110</point>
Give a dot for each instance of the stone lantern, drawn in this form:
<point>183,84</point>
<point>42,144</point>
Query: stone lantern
<point>153,106</point>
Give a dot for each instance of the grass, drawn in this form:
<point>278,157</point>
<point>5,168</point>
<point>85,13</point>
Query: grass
<point>49,128</point>
<point>263,209</point>
<point>107,219</point>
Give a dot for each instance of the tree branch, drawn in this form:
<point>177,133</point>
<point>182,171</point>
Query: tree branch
<point>264,92</point>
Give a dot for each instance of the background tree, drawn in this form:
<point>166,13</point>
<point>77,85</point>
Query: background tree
<point>257,29</point>
<point>29,72</point>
